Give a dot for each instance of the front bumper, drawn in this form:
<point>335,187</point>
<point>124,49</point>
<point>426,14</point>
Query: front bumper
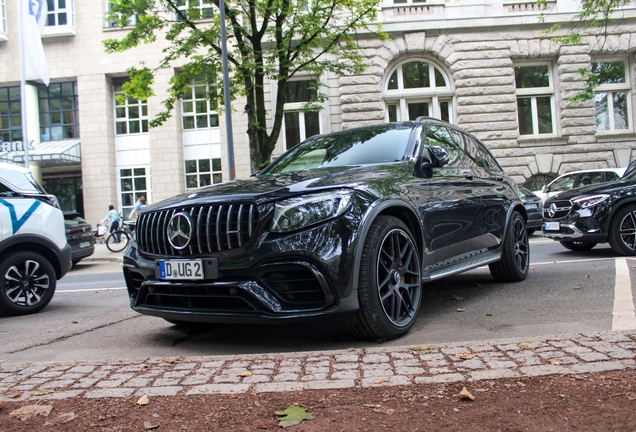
<point>579,225</point>
<point>276,278</point>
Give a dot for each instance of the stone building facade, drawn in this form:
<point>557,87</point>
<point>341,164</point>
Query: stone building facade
<point>487,66</point>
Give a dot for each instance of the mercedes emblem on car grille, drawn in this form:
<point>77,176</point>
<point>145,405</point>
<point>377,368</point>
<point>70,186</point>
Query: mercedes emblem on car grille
<point>552,210</point>
<point>179,230</point>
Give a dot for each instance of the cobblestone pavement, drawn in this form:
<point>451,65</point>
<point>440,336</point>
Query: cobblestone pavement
<point>392,366</point>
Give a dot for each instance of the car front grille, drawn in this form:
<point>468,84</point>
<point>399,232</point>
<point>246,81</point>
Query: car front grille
<point>215,228</point>
<point>556,209</point>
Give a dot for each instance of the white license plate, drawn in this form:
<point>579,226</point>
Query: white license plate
<point>84,244</point>
<point>181,269</point>
<point>552,226</point>
<point>531,206</point>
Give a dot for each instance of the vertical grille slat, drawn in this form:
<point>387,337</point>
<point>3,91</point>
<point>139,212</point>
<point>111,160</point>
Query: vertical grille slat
<point>215,228</point>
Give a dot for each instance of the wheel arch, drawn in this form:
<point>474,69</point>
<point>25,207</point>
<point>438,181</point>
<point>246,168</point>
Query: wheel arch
<point>37,244</point>
<point>394,208</point>
<point>610,217</point>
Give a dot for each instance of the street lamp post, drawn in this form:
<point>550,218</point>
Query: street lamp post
<point>226,94</point>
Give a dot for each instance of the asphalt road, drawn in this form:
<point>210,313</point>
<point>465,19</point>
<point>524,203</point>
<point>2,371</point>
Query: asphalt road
<point>566,292</point>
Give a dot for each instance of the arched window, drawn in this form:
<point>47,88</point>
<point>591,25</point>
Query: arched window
<point>418,88</point>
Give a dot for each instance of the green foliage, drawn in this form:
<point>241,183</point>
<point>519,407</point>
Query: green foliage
<point>266,39</point>
<point>594,17</point>
<point>293,415</point>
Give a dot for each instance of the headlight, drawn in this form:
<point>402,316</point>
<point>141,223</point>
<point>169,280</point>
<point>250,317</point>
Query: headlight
<point>590,201</point>
<point>306,210</point>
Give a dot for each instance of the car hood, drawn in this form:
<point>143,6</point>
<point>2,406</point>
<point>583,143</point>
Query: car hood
<point>263,188</point>
<point>609,188</point>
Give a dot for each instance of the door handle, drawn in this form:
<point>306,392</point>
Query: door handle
<point>468,175</point>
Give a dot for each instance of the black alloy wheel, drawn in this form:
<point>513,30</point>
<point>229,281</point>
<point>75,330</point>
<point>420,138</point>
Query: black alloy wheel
<point>515,256</point>
<point>390,283</point>
<point>27,282</point>
<point>622,233</point>
<point>577,245</point>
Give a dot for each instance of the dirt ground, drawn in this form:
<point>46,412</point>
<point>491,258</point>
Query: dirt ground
<point>596,402</point>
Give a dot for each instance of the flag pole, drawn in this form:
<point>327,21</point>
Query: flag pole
<point>23,107</point>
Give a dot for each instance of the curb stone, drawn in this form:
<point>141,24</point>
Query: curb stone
<point>354,368</point>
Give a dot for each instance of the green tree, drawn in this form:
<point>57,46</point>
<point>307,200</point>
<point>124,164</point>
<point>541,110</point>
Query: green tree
<point>266,39</point>
<point>594,16</point>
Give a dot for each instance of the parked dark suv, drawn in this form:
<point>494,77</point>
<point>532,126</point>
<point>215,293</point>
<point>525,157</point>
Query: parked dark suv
<point>347,224</point>
<point>583,217</point>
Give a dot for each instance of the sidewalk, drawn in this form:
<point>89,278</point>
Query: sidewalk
<point>103,254</point>
<point>354,368</point>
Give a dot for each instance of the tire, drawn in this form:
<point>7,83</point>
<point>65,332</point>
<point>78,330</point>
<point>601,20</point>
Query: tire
<point>577,245</point>
<point>531,231</point>
<point>622,232</point>
<point>114,246</point>
<point>27,283</point>
<point>515,256</point>
<point>390,282</point>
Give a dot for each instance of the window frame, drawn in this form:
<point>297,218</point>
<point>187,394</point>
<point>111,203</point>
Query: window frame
<point>56,29</point>
<point>132,20</point>
<point>186,5</point>
<point>49,113</point>
<point>127,209</point>
<point>616,88</point>
<point>3,20</point>
<point>212,172</point>
<point>297,108</point>
<point>533,93</point>
<point>433,95</point>
<point>10,115</point>
<point>143,119</point>
<point>211,106</point>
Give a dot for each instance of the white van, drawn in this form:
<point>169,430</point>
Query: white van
<point>33,249</point>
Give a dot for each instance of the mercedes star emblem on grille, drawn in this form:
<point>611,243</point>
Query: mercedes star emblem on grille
<point>552,210</point>
<point>179,230</point>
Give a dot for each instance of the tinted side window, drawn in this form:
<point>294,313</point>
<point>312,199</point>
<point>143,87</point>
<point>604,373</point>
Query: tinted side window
<point>611,176</point>
<point>479,155</point>
<point>590,178</point>
<point>4,189</point>
<point>440,136</point>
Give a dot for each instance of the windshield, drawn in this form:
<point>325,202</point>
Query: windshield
<point>22,181</point>
<point>360,146</point>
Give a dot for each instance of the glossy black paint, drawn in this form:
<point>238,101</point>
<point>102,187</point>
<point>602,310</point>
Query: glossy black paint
<point>534,208</point>
<point>590,224</point>
<point>457,214</point>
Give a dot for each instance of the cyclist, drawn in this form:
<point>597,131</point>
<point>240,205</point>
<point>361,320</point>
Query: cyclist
<point>114,219</point>
<point>138,206</point>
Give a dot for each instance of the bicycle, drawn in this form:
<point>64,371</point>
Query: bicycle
<point>119,239</point>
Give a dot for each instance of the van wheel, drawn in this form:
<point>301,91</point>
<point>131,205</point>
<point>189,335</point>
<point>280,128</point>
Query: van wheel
<point>27,283</point>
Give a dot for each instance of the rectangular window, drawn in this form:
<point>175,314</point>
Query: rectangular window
<point>612,96</point>
<point>300,124</point>
<point>132,182</point>
<point>132,20</point>
<point>58,111</point>
<point>198,106</point>
<point>10,114</point>
<point>3,17</point>
<point>194,9</point>
<point>60,18</point>
<point>535,100</point>
<point>131,115</point>
<point>203,172</point>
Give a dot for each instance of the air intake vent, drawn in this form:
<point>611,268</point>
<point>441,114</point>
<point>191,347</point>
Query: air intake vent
<point>215,228</point>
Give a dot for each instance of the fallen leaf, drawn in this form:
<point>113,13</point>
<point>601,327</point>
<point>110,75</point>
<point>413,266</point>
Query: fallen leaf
<point>150,425</point>
<point>144,400</point>
<point>387,411</point>
<point>293,415</point>
<point>527,346</point>
<point>461,310</point>
<point>42,392</point>
<point>74,322</point>
<point>372,406</point>
<point>488,314</point>
<point>170,360</point>
<point>479,344</point>
<point>29,411</point>
<point>576,288</point>
<point>14,394</point>
<point>465,356</point>
<point>233,396</point>
<point>555,362</point>
<point>378,381</point>
<point>67,417</point>
<point>456,297</point>
<point>465,394</point>
<point>244,374</point>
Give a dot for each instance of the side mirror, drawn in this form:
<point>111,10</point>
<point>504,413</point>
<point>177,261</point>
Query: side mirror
<point>439,156</point>
<point>545,189</point>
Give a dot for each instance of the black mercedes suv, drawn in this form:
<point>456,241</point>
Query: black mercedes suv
<point>583,217</point>
<point>348,224</point>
